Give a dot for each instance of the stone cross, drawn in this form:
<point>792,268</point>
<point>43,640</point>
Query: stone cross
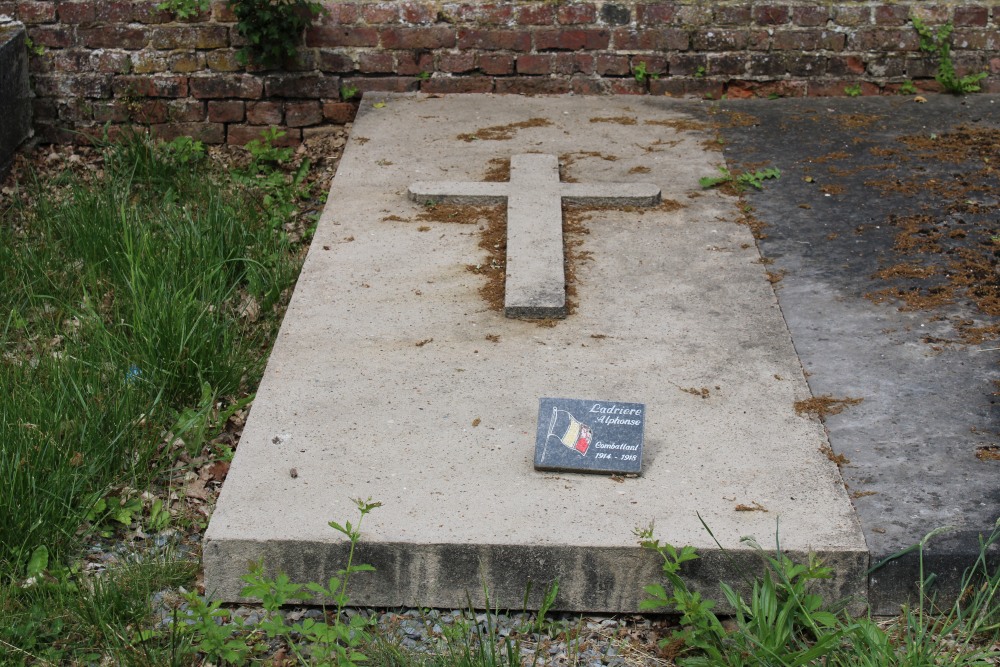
<point>535,286</point>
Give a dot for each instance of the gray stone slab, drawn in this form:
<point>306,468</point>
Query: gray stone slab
<point>911,444</point>
<point>392,378</point>
<point>15,102</point>
<point>535,286</point>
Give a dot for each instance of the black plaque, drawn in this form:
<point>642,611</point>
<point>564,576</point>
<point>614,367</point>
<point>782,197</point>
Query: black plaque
<point>589,436</point>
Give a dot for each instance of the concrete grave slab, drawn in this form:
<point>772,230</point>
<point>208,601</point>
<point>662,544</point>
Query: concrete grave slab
<point>393,378</point>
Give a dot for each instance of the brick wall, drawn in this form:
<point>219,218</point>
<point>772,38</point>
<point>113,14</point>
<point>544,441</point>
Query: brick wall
<point>123,61</point>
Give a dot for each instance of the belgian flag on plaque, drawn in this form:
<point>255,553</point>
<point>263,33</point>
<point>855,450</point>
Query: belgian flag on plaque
<point>589,436</point>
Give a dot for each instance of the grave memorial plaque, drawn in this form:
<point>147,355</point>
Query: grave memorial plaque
<point>589,436</point>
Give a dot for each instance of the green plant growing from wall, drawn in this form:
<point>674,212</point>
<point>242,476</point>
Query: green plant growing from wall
<point>938,43</point>
<point>273,30</point>
<point>641,73</point>
<point>184,9</point>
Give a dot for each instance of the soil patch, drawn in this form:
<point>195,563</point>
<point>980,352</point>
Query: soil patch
<point>825,405</point>
<point>503,132</point>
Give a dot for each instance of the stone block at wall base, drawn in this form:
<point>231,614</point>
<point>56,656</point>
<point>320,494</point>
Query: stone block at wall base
<point>15,95</point>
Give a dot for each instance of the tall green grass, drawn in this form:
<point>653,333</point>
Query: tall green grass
<point>124,296</point>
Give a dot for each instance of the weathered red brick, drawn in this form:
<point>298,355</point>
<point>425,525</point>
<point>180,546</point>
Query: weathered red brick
<point>190,37</point>
<point>767,64</point>
<point>890,39</point>
<point>663,39</point>
<point>460,62</point>
<point>112,62</point>
<point>264,113</point>
<point>334,61</point>
<point>389,84</point>
<point>728,64</point>
<point>414,62</point>
<point>187,62</point>
<point>339,112</point>
<point>971,16</point>
<point>300,114</point>
<point>806,65</point>
<point>654,64</point>
<point>489,14</point>
<point>770,14</point>
<point>572,39</point>
<point>567,63</point>
<point>810,16</point>
<point>676,87</point>
<point>72,85</point>
<point>68,60</point>
<point>379,13</point>
<point>933,14</point>
<point>534,63</point>
<point>839,88</point>
<point>186,110</point>
<point>687,64</point>
<point>845,65</point>
<point>464,84</point>
<point>416,12</point>
<point>222,60</point>
<point>891,15</point>
<point>151,86</point>
<point>884,67</point>
<point>376,62</point>
<point>808,40</point>
<point>615,14</point>
<point>148,62</point>
<point>612,64</point>
<point>216,86</point>
<point>533,86</point>
<point>145,11</point>
<point>574,14</point>
<point>36,12</point>
<point>585,85</point>
<point>209,133</point>
<point>658,13</point>
<point>582,62</point>
<point>149,111</point>
<point>732,15</point>
<point>492,40</point>
<point>719,40</point>
<point>110,37</point>
<point>310,86</point>
<point>537,14</point>
<point>771,89</point>
<point>495,64</point>
<point>694,15</point>
<point>851,15</point>
<point>338,35</point>
<point>418,38</point>
<point>76,12</point>
<point>972,39</point>
<point>226,111</point>
<point>53,37</point>
<point>113,11</point>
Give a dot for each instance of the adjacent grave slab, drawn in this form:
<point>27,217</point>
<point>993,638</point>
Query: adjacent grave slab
<point>392,378</point>
<point>15,102</point>
<point>919,444</point>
